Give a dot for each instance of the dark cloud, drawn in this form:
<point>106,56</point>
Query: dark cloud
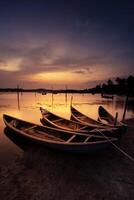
<point>84,71</point>
<point>79,72</point>
<point>45,59</point>
<point>50,36</point>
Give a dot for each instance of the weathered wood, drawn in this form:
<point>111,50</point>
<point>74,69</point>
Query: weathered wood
<point>87,138</point>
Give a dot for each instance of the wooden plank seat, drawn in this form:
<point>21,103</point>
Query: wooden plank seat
<point>87,138</point>
<point>71,138</point>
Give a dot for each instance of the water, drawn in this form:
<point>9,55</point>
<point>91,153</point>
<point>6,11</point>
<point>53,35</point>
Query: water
<point>27,107</point>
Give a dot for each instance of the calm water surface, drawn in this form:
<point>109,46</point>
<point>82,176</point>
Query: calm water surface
<point>27,108</point>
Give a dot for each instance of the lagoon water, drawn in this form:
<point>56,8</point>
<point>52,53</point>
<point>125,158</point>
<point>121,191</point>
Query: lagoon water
<point>27,106</point>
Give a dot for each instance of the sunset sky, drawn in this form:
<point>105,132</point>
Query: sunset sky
<point>45,43</point>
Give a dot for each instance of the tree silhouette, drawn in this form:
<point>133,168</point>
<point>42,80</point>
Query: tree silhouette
<point>110,82</point>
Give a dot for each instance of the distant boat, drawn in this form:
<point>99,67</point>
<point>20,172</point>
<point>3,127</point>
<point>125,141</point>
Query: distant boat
<point>107,96</point>
<point>44,93</point>
<point>57,139</point>
<point>56,121</point>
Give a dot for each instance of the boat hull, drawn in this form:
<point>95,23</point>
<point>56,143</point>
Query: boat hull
<point>74,147</point>
<point>71,148</point>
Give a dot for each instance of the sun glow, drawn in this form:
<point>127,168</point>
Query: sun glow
<point>77,78</point>
<point>57,77</point>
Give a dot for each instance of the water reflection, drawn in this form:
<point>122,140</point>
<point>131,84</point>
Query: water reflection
<point>60,103</point>
<point>28,104</point>
<point>17,140</point>
<point>18,100</point>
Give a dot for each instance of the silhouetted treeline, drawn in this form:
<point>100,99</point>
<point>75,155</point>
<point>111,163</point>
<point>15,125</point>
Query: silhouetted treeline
<point>43,91</point>
<point>16,90</point>
<point>120,86</point>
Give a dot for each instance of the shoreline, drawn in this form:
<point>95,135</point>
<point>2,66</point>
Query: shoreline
<point>41,174</point>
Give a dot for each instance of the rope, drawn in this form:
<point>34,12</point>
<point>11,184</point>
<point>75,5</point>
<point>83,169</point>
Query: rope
<point>118,148</point>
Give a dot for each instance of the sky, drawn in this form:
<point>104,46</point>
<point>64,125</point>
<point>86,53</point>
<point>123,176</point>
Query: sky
<point>54,43</point>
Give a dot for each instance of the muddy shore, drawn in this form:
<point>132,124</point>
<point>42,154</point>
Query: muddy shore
<point>43,174</point>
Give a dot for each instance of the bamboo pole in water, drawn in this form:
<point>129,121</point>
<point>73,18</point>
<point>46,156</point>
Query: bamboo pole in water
<point>116,116</point>
<point>52,98</point>
<point>18,97</point>
<point>66,95</point>
<point>125,109</point>
<point>71,100</point>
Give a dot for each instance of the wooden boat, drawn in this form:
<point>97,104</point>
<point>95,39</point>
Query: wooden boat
<point>107,118</point>
<point>107,96</point>
<point>80,117</point>
<point>44,93</point>
<point>105,115</point>
<point>57,139</point>
<point>56,121</point>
